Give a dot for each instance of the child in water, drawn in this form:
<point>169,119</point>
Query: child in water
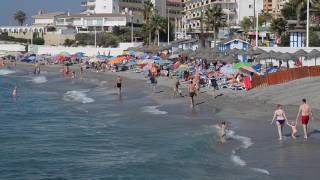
<point>294,130</point>
<point>223,132</point>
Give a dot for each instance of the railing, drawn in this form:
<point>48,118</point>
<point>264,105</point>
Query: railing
<point>285,76</point>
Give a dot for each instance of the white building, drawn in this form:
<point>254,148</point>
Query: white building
<point>45,19</point>
<point>92,22</point>
<point>101,6</point>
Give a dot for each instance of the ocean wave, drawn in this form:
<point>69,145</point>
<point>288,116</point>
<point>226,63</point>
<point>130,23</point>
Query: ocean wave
<point>246,142</point>
<point>237,159</point>
<point>6,71</point>
<point>77,96</point>
<point>263,171</point>
<point>39,80</point>
<point>153,110</point>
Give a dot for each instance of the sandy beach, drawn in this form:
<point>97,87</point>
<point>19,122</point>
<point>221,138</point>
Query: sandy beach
<point>249,113</point>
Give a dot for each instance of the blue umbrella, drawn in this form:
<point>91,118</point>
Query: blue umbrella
<point>163,62</point>
<point>131,63</point>
<point>32,58</point>
<point>133,53</point>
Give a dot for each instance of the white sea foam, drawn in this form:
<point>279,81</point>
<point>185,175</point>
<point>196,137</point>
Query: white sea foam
<point>246,142</point>
<point>39,80</point>
<point>153,110</point>
<point>263,171</point>
<point>77,96</point>
<point>6,71</point>
<point>237,160</point>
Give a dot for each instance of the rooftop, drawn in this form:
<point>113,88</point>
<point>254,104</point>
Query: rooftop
<point>47,15</point>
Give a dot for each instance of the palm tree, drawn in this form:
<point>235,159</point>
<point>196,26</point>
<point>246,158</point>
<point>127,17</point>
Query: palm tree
<point>158,24</point>
<point>214,18</point>
<point>20,17</point>
<point>301,6</point>
<point>147,15</point>
<point>265,17</point>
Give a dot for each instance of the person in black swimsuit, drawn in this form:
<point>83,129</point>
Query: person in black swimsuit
<point>119,84</point>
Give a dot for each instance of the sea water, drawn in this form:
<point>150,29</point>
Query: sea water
<point>59,128</point>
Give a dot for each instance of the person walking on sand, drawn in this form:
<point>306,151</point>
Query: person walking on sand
<point>306,112</point>
<point>119,84</point>
<point>192,92</point>
<point>280,117</point>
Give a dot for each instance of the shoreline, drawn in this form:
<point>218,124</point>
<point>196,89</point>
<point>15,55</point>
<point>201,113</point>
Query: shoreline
<point>249,117</point>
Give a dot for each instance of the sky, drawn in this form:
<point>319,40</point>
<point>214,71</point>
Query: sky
<point>31,7</point>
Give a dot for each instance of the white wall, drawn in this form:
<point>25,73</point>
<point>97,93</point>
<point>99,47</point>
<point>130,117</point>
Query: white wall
<point>245,11</point>
<point>90,51</point>
<point>12,47</point>
<point>44,21</point>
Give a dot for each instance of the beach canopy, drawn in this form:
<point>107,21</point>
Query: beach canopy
<point>241,64</point>
<point>301,53</point>
<point>118,60</point>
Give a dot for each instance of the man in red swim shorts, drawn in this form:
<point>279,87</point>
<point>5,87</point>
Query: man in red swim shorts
<point>306,113</point>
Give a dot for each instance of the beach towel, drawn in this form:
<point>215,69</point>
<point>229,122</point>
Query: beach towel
<point>247,83</point>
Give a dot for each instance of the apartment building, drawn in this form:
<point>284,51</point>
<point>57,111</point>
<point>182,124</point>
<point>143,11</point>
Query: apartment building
<point>101,6</point>
<point>274,7</point>
<point>234,10</point>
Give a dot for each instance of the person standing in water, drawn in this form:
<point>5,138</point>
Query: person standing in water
<point>280,117</point>
<point>119,84</point>
<point>223,132</point>
<point>14,92</point>
<point>177,89</point>
<point>81,72</point>
<point>192,92</point>
<point>305,111</point>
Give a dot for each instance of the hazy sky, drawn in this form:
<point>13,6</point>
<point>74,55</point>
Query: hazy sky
<point>31,7</point>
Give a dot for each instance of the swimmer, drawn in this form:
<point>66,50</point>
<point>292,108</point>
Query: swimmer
<point>223,132</point>
<point>192,92</point>
<point>119,83</point>
<point>14,92</point>
<point>294,130</point>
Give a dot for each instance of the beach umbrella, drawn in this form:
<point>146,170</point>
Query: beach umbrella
<point>32,58</point>
<point>163,62</point>
<point>228,59</point>
<point>263,56</point>
<point>314,54</point>
<point>247,70</point>
<point>241,64</point>
<point>228,69</point>
<point>301,53</point>
<point>286,56</point>
<point>65,54</point>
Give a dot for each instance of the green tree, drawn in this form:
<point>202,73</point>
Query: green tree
<point>214,19</point>
<point>278,26</point>
<point>148,11</point>
<point>158,24</point>
<point>69,42</point>
<point>314,39</point>
<point>246,24</point>
<point>20,17</point>
<point>264,18</point>
<point>38,41</point>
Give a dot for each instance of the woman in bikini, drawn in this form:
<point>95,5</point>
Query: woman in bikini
<point>280,117</point>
